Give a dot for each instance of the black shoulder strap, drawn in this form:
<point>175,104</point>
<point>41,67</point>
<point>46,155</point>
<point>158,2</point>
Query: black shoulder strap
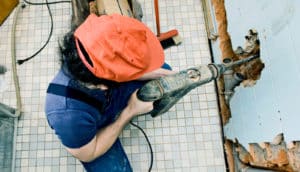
<point>70,92</point>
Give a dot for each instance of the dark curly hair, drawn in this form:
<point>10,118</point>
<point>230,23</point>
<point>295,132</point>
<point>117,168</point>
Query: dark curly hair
<point>72,64</point>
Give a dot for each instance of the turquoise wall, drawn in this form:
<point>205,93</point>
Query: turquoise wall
<point>270,107</point>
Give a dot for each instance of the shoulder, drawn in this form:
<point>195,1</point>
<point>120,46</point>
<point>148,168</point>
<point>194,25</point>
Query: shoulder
<point>74,128</point>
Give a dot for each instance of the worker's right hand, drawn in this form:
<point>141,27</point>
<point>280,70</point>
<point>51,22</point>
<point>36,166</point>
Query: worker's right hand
<point>137,107</point>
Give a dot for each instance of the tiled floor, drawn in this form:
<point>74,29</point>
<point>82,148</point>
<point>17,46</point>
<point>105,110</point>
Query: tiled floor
<point>187,138</point>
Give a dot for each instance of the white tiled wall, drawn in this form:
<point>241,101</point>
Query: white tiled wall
<point>187,138</point>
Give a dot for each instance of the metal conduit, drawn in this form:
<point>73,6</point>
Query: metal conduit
<point>16,83</point>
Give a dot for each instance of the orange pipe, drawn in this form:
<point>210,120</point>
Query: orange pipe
<point>166,35</point>
<point>156,7</point>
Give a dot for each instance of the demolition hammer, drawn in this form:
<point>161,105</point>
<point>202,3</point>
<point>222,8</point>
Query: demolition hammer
<point>168,90</point>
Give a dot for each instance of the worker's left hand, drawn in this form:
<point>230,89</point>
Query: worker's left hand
<point>137,107</point>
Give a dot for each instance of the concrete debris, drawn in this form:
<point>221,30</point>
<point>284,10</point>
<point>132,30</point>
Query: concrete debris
<point>276,155</point>
<point>252,70</point>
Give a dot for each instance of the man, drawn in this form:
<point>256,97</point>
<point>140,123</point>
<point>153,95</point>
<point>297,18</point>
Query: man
<point>93,96</point>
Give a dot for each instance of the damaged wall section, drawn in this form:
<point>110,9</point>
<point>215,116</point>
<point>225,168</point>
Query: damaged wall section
<point>276,155</point>
<point>271,106</point>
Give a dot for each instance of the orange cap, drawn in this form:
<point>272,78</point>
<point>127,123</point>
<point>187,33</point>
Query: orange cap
<point>120,48</point>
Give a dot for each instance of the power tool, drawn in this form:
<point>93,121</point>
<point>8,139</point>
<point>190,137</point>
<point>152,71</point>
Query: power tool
<point>168,90</point>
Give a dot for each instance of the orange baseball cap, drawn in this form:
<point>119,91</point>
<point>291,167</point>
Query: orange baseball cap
<point>119,48</point>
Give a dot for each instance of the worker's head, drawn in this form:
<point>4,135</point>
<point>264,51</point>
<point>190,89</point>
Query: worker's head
<point>72,64</point>
<point>117,48</point>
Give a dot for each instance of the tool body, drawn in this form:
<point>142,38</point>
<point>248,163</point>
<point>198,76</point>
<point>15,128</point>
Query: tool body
<point>168,90</point>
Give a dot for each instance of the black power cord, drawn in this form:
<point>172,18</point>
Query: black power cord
<point>51,29</point>
<point>149,144</point>
<point>120,7</point>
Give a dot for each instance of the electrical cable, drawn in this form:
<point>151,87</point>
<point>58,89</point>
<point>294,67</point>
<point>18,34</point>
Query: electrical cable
<point>150,147</point>
<point>120,7</point>
<point>51,29</point>
<point>49,3</point>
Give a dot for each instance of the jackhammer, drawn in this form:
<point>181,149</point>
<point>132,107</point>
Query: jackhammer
<point>168,90</point>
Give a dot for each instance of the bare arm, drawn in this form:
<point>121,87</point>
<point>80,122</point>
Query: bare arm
<point>105,137</point>
<point>157,74</point>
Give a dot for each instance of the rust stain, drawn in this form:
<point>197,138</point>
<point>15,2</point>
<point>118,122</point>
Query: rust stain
<point>224,38</point>
<point>251,70</point>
